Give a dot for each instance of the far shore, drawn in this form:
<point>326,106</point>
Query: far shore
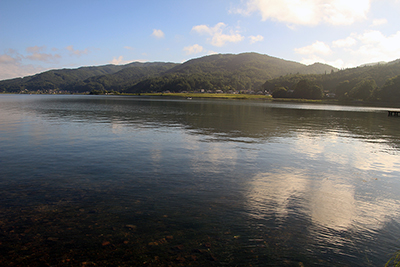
<point>239,96</point>
<point>270,98</point>
<point>210,95</point>
<point>246,97</point>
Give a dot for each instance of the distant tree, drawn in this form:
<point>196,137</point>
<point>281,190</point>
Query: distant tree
<point>97,92</point>
<point>343,88</point>
<point>307,90</point>
<point>95,86</point>
<point>390,91</point>
<point>279,92</point>
<point>182,85</point>
<point>363,90</point>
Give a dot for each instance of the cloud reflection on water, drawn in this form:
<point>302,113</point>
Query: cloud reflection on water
<point>329,201</point>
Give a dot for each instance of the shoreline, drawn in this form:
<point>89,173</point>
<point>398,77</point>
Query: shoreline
<point>208,95</point>
<point>244,97</point>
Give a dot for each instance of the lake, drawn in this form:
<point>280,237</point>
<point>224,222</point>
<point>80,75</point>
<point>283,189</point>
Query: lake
<point>128,181</point>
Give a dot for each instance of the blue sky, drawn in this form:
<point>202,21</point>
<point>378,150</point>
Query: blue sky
<point>41,35</point>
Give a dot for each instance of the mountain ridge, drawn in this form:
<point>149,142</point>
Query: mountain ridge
<point>227,72</point>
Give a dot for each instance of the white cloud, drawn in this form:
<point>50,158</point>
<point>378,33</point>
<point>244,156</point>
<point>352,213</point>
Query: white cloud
<point>204,29</point>
<point>316,48</point>
<point>378,22</point>
<point>370,37</point>
<point>368,47</point>
<point>158,34</point>
<point>338,63</point>
<point>254,39</point>
<point>210,52</point>
<point>194,49</point>
<point>349,41</point>
<point>37,56</point>
<point>11,67</point>
<point>129,47</point>
<point>78,53</point>
<point>308,12</point>
<point>377,47</point>
<point>35,49</point>
<point>373,46</point>
<point>44,57</point>
<point>119,61</point>
<point>218,38</point>
<point>14,64</point>
<point>6,59</point>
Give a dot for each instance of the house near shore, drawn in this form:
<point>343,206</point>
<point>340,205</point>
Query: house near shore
<point>330,95</point>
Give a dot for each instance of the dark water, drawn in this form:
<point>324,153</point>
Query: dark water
<point>128,181</point>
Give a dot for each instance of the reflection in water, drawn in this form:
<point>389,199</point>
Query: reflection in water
<point>198,182</point>
<point>271,193</point>
<point>333,205</point>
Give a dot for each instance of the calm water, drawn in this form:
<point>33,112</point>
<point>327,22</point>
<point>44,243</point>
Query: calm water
<point>130,181</point>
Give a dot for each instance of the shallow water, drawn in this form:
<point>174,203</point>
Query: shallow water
<point>129,181</point>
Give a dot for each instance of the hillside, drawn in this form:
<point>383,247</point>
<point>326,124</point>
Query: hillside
<point>271,66</point>
<point>349,83</point>
<point>247,71</point>
<point>379,73</point>
<point>226,72</point>
<point>55,78</point>
<point>84,78</point>
<point>120,80</point>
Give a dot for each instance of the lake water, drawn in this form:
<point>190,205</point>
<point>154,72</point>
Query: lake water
<point>127,181</point>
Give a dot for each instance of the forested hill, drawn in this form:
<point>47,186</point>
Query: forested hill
<point>55,78</point>
<point>370,82</point>
<point>226,72</point>
<point>107,77</point>
<point>269,66</point>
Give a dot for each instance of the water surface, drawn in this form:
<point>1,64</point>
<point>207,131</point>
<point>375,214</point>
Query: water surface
<point>153,181</point>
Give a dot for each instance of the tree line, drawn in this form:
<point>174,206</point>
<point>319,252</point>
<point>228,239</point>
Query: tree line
<point>364,90</point>
<point>369,83</point>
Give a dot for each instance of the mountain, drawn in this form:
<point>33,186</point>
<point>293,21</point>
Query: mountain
<point>247,71</point>
<point>318,68</point>
<point>394,61</point>
<point>373,64</point>
<point>85,78</point>
<point>376,82</point>
<point>380,73</point>
<point>231,63</point>
<point>53,79</point>
<point>226,72</point>
<point>122,79</point>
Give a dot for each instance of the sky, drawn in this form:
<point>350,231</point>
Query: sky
<point>39,35</point>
